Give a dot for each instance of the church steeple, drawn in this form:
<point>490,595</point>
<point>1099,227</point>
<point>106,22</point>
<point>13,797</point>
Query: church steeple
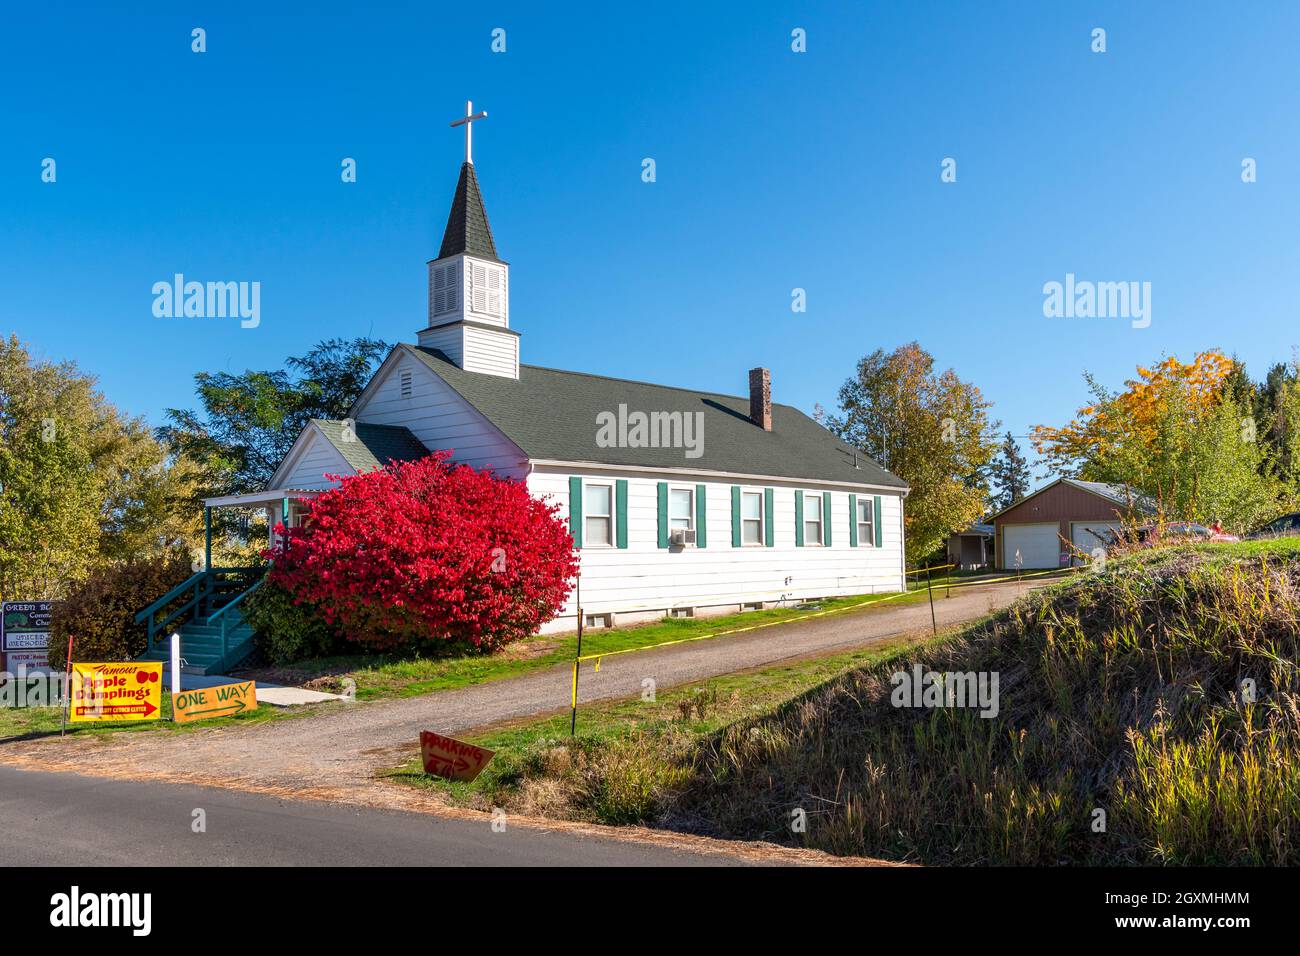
<point>467,224</point>
<point>469,285</point>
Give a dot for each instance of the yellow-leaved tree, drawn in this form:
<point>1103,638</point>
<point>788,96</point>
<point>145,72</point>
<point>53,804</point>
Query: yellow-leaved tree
<point>1177,433</point>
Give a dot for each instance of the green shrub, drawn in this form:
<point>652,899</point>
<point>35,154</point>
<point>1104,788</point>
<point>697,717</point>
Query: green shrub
<point>285,631</point>
<point>100,612</point>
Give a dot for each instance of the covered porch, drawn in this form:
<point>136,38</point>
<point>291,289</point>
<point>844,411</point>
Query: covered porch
<point>207,609</point>
<point>285,506</point>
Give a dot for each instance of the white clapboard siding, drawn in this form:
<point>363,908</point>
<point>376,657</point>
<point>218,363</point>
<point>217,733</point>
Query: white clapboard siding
<point>438,417</point>
<point>489,351</point>
<point>312,461</point>
<point>449,340</point>
<point>492,352</point>
<point>646,578</point>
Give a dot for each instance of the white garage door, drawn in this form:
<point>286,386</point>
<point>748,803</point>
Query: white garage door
<point>1039,545</point>
<point>1087,535</point>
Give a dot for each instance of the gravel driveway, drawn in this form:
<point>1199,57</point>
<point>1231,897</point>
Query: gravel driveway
<point>336,752</point>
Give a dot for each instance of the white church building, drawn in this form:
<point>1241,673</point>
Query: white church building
<point>680,502</point>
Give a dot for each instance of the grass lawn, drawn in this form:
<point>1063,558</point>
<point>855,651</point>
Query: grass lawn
<point>687,711</point>
<point>386,676</point>
<point>41,721</point>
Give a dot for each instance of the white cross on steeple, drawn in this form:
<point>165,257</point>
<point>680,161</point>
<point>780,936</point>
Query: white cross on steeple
<point>466,121</point>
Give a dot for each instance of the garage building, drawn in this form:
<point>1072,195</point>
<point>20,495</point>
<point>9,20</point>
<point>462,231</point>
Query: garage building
<point>1033,533</point>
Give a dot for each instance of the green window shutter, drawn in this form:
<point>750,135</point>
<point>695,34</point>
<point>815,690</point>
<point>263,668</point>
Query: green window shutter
<point>575,511</point>
<point>769,532</point>
<point>853,521</point>
<point>701,519</point>
<point>620,503</point>
<point>798,519</point>
<point>826,518</point>
<point>876,523</point>
<point>735,516</point>
<point>663,514</point>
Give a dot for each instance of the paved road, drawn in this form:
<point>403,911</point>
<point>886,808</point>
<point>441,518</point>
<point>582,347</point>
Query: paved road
<point>334,755</point>
<point>64,819</point>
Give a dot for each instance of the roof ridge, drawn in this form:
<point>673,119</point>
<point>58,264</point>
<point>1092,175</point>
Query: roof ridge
<point>614,378</point>
<point>340,421</point>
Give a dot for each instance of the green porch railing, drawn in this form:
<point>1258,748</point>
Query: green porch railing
<point>199,592</point>
<point>220,613</point>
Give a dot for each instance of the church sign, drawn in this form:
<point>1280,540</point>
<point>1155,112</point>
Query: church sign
<point>25,635</point>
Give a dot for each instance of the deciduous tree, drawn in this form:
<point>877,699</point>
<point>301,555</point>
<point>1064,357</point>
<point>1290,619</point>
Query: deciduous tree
<point>248,422</point>
<point>1180,432</point>
<point>929,428</point>
<point>81,484</point>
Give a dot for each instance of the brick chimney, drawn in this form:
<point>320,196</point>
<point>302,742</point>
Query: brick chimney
<point>760,398</point>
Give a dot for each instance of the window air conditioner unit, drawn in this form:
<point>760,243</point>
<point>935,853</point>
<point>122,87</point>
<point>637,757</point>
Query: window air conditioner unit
<point>683,537</point>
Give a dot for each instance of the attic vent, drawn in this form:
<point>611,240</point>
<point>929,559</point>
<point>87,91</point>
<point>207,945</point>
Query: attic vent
<point>405,383</point>
<point>444,289</point>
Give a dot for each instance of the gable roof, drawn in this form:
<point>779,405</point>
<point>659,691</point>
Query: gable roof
<point>1121,495</point>
<point>552,415</point>
<point>467,224</point>
<point>371,446</point>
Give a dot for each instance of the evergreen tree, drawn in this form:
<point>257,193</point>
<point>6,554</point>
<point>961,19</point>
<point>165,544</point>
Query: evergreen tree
<point>1009,475</point>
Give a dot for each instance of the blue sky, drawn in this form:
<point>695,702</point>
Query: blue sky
<point>775,170</point>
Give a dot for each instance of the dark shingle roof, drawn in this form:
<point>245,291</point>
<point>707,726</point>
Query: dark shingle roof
<point>371,445</point>
<point>551,414</point>
<point>467,224</point>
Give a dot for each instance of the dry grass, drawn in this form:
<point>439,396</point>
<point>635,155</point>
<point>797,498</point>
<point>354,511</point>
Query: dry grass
<point>1120,692</point>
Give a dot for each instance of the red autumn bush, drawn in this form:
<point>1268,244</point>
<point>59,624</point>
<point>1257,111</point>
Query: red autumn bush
<point>428,553</point>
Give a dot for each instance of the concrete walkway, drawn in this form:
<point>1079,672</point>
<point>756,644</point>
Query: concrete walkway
<point>334,754</point>
<point>273,694</point>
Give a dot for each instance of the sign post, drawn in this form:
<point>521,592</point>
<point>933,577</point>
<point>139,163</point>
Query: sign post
<point>577,660</point>
<point>176,664</point>
<point>930,589</point>
<point>65,697</point>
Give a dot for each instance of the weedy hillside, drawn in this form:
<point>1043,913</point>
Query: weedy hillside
<point>1161,692</point>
